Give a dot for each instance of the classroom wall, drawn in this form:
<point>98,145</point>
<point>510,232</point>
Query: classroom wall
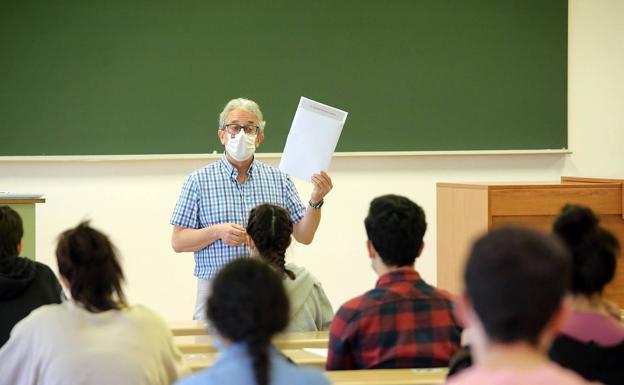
<point>132,200</point>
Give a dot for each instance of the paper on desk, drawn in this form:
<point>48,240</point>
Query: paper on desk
<point>8,195</point>
<point>312,139</point>
<point>318,351</point>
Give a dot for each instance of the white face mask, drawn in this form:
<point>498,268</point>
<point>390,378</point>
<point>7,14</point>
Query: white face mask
<point>241,147</point>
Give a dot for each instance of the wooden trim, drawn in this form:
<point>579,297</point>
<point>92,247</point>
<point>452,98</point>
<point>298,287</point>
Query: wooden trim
<point>590,180</point>
<point>268,155</point>
<point>13,201</point>
<point>526,185</point>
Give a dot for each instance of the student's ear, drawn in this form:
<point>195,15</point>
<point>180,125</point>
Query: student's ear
<point>19,247</point>
<point>371,249</point>
<point>250,243</point>
<point>65,283</point>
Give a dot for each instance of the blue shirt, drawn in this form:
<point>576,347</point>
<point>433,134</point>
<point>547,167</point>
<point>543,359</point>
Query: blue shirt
<point>212,195</point>
<point>234,367</point>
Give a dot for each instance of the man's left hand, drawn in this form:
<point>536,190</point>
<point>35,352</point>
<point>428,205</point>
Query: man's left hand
<point>322,185</point>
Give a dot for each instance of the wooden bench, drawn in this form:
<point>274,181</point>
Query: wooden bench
<point>297,340</point>
<point>300,357</point>
<point>434,376</point>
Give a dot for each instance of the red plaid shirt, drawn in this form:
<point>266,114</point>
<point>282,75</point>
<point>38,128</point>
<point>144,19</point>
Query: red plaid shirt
<point>402,323</point>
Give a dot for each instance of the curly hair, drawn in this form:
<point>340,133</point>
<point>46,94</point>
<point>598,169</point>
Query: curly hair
<point>594,249</point>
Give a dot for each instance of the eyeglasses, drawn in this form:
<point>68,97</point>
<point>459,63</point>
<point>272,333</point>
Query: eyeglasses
<point>235,128</point>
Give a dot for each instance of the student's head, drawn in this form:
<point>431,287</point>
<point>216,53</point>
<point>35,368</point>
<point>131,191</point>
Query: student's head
<point>594,249</point>
<point>269,231</point>
<point>88,263</point>
<point>11,232</point>
<point>515,283</point>
<point>395,227</point>
<point>249,304</point>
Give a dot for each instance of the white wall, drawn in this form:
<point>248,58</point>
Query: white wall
<point>132,200</point>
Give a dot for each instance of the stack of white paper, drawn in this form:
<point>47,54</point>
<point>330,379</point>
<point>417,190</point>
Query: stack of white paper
<point>312,139</point>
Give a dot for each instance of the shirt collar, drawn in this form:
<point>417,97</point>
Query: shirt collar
<point>407,274</point>
<point>231,171</point>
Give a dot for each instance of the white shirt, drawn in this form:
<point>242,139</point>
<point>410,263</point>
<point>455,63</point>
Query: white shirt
<point>67,345</point>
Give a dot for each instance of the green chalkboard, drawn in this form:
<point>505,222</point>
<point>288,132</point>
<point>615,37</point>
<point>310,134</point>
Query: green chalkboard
<point>150,76</point>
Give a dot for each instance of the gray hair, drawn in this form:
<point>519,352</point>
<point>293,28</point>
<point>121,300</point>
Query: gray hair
<point>241,104</point>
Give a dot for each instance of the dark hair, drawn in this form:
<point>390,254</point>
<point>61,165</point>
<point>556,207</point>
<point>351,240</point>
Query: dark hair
<point>270,228</point>
<point>11,231</point>
<point>594,249</point>
<point>396,227</point>
<point>88,260</point>
<point>249,304</point>
<point>515,280</point>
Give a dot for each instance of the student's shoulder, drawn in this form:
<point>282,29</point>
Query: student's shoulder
<point>45,272</point>
<point>354,308</point>
<point>45,316</point>
<point>145,315</point>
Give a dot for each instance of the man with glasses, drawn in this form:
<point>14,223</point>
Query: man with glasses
<point>211,213</point>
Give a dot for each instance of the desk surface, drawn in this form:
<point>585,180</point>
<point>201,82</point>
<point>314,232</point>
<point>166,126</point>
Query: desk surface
<point>188,327</point>
<point>299,340</point>
<point>300,357</point>
<point>432,376</point>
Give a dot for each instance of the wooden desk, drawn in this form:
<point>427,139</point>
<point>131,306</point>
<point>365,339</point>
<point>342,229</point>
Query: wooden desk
<point>203,343</point>
<point>467,210</point>
<point>433,376</point>
<point>188,327</point>
<point>300,357</point>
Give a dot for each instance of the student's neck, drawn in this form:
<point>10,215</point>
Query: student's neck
<point>384,269</point>
<point>589,304</point>
<point>518,355</point>
<point>241,166</point>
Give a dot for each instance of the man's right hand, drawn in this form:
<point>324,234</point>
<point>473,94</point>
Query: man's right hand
<point>231,234</point>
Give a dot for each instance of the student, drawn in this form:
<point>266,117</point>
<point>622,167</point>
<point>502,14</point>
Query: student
<point>592,339</point>
<point>269,230</point>
<point>247,307</point>
<point>96,338</point>
<point>515,283</point>
<point>403,322</point>
<point>24,284</point>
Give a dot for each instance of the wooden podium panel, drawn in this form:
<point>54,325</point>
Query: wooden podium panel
<point>466,211</point>
<point>25,207</point>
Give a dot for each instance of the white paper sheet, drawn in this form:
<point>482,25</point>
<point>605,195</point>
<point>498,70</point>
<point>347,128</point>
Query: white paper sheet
<point>318,351</point>
<point>312,139</point>
<point>8,195</point>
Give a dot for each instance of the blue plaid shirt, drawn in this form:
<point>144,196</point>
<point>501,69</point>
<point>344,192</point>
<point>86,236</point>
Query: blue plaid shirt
<point>212,195</point>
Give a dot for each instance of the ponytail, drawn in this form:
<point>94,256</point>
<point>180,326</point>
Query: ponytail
<point>88,260</point>
<point>270,228</point>
<point>249,305</point>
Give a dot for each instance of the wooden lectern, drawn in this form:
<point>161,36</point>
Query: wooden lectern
<point>467,210</point>
<point>26,209</point>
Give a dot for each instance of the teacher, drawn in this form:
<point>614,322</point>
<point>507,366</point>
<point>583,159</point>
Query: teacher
<point>211,213</point>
